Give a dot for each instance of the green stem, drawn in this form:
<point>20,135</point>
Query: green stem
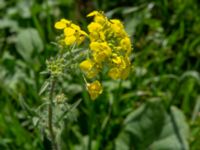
<point>90,106</point>
<point>50,116</point>
<point>91,127</point>
<point>119,90</point>
<point>113,108</point>
<point>172,101</point>
<point>117,98</point>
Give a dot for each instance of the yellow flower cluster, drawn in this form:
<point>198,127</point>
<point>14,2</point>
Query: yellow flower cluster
<point>110,48</point>
<point>72,33</point>
<point>94,89</point>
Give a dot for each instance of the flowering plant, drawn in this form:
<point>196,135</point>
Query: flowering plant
<point>108,53</point>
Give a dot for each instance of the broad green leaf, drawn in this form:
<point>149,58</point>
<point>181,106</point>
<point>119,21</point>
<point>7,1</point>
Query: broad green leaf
<point>123,141</point>
<point>28,41</point>
<point>8,23</point>
<point>151,127</point>
<point>168,138</point>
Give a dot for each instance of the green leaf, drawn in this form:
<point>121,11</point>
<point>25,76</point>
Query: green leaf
<point>151,127</point>
<point>9,23</point>
<point>168,138</point>
<point>28,41</point>
<point>44,87</point>
<point>122,142</point>
<point>191,73</point>
<point>73,107</point>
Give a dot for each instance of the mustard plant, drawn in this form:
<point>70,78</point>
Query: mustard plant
<point>108,51</point>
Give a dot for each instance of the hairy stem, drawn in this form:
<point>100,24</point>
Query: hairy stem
<point>50,116</point>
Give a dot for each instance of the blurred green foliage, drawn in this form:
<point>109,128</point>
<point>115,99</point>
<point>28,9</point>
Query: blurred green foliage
<point>166,60</point>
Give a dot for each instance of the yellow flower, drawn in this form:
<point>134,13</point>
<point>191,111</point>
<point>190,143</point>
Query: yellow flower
<point>99,16</point>
<point>102,36</point>
<point>86,65</point>
<point>100,19</point>
<point>80,35</point>
<point>72,32</point>
<point>93,13</point>
<point>100,46</point>
<point>94,89</point>
<point>94,46</point>
<point>69,31</point>
<point>65,21</point>
<point>100,57</point>
<point>69,40</point>
<point>92,73</point>
<point>83,33</point>
<point>114,73</point>
<point>125,44</point>
<point>125,72</point>
<point>61,24</point>
<point>74,26</point>
<point>89,68</point>
<point>116,59</point>
<point>94,27</point>
<point>101,51</point>
<point>80,39</point>
<point>117,22</point>
<point>120,67</point>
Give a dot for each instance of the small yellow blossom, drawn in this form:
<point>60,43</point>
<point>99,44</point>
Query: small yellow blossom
<point>89,68</point>
<point>92,73</point>
<point>100,19</point>
<point>86,65</point>
<point>94,27</point>
<point>101,51</point>
<point>94,36</point>
<point>125,72</point>
<point>100,46</point>
<point>61,24</point>
<point>116,59</point>
<point>100,56</point>
<point>94,89</point>
<point>69,40</point>
<point>65,21</point>
<point>125,44</point>
<point>74,26</point>
<point>117,22</point>
<point>83,33</point>
<point>114,73</point>
<point>93,13</point>
<point>69,31</point>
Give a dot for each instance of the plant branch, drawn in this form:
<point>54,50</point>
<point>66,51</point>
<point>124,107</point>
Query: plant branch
<point>50,116</point>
